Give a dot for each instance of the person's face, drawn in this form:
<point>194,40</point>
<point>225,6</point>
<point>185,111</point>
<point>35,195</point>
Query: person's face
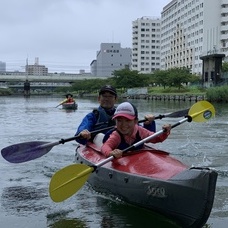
<point>107,100</point>
<point>125,126</point>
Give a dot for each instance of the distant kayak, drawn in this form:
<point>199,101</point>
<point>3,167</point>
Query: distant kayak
<point>70,105</point>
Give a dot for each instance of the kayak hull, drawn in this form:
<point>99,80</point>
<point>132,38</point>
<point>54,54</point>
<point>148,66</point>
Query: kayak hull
<point>154,180</point>
<point>70,106</point>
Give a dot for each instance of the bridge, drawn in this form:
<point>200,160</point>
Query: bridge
<point>50,77</point>
<point>15,80</point>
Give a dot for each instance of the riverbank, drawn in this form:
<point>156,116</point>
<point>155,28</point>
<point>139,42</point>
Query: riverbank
<point>214,94</point>
<point>167,97</point>
<point>159,97</point>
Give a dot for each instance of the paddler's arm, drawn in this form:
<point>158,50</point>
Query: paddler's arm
<point>164,135</point>
<point>85,128</point>
<point>150,124</point>
<point>111,144</point>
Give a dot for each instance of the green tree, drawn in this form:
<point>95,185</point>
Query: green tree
<point>178,77</point>
<point>161,77</point>
<point>225,67</point>
<point>174,77</point>
<point>126,78</point>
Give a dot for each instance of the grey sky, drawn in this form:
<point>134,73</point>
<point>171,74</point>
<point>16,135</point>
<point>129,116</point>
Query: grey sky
<point>66,34</point>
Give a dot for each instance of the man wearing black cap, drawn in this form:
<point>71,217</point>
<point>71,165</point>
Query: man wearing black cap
<point>100,118</point>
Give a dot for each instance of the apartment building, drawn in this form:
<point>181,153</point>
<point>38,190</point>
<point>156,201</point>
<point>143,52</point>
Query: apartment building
<point>191,29</point>
<point>190,33</point>
<point>146,44</point>
<point>36,69</point>
<point>110,57</point>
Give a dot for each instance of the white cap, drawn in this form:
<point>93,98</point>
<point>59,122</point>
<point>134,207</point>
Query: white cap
<point>126,110</point>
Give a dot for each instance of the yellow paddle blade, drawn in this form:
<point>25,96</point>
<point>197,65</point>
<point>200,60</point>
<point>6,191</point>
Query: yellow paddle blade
<point>63,101</point>
<point>202,111</point>
<point>67,181</point>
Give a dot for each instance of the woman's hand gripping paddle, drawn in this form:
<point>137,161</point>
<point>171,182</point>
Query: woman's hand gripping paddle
<point>27,151</point>
<point>70,179</point>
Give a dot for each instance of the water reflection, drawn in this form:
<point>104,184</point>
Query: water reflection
<point>23,199</point>
<point>110,214</point>
<point>120,214</point>
<point>68,223</point>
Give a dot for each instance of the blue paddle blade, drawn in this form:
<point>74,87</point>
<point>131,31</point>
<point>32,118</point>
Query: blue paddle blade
<point>23,152</point>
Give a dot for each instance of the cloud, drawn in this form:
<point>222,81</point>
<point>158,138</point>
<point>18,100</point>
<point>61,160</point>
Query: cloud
<point>67,32</point>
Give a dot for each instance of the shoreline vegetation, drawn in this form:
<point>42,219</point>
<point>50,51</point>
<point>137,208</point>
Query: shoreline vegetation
<point>213,94</point>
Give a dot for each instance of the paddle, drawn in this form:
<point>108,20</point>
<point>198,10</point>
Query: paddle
<point>27,151</point>
<point>61,103</point>
<point>70,179</point>
<point>176,114</point>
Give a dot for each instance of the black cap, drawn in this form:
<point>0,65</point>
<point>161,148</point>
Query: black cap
<point>69,94</point>
<point>108,88</point>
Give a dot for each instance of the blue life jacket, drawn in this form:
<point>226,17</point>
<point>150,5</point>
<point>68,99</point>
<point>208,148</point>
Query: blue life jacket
<point>104,118</point>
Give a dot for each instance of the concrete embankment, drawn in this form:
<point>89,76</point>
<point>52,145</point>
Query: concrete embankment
<point>162,97</point>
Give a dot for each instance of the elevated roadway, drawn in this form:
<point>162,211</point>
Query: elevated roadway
<point>16,80</point>
<point>63,78</point>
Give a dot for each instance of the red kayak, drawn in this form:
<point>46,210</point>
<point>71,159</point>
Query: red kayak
<point>153,179</point>
<point>70,105</point>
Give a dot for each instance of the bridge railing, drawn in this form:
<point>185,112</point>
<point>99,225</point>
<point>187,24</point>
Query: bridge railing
<point>5,77</point>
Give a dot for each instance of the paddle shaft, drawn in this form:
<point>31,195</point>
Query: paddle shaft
<point>173,114</point>
<point>188,118</point>
<point>176,114</point>
<point>58,105</point>
<point>62,141</point>
<point>61,103</point>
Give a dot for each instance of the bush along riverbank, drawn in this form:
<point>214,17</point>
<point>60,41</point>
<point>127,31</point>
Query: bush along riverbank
<point>5,92</point>
<point>217,94</point>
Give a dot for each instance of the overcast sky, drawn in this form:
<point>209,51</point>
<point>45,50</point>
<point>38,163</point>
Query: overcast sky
<point>66,34</point>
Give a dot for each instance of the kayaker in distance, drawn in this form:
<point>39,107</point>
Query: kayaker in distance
<point>69,98</point>
<point>101,117</point>
<point>128,132</point>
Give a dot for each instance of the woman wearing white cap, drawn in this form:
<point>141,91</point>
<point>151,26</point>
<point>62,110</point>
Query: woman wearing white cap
<point>128,132</point>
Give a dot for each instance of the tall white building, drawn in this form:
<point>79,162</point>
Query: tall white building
<point>191,29</point>
<point>146,44</point>
<point>110,57</point>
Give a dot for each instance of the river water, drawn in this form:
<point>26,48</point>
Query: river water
<point>24,197</point>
